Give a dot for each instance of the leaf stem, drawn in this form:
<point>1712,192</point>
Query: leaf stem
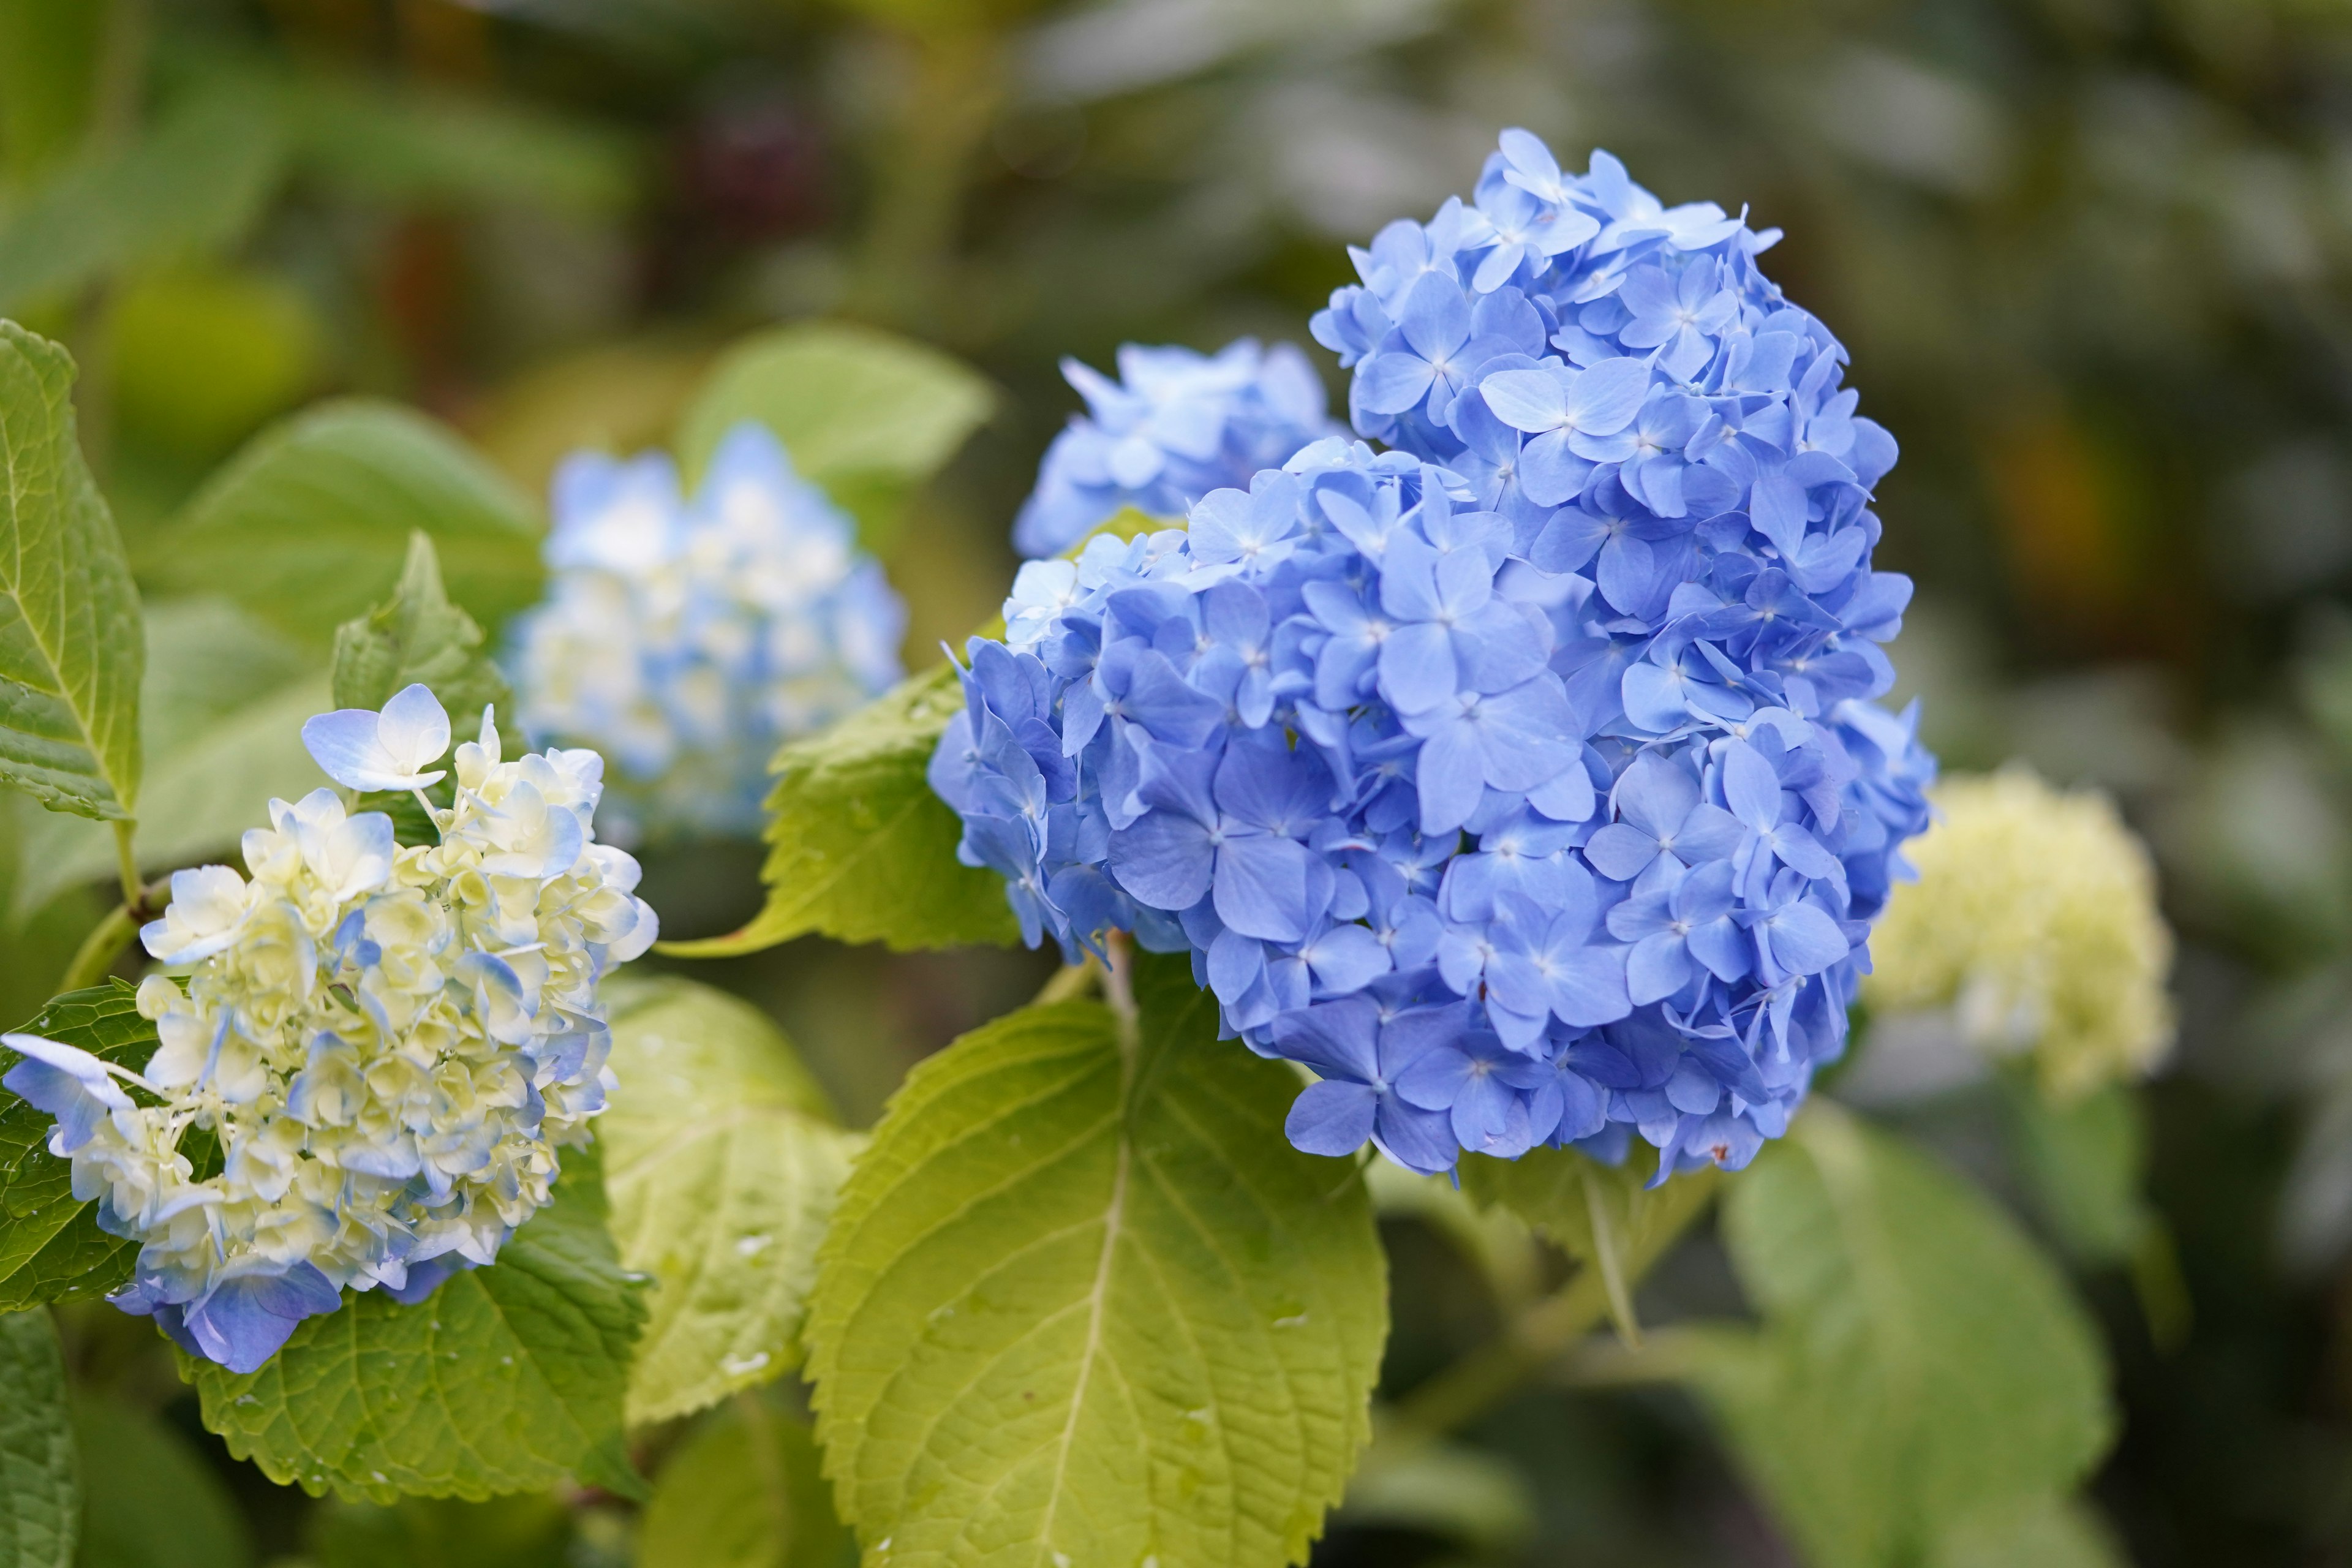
<point>1070,982</point>
<point>1118,991</point>
<point>1545,1331</point>
<point>126,861</point>
<point>109,937</point>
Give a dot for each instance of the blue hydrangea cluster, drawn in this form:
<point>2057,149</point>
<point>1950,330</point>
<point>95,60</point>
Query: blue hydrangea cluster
<point>1174,426</point>
<point>684,638</point>
<point>1523,779</point>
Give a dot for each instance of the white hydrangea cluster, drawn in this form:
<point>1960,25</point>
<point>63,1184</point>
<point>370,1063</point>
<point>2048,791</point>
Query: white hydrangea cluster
<point>685,637</point>
<point>388,1044</point>
<point>2034,919</point>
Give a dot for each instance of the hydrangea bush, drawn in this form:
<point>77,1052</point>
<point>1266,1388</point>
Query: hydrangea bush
<point>1522,777</point>
<point>684,638</point>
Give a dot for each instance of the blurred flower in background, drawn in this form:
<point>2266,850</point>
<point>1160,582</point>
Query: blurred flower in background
<point>685,638</point>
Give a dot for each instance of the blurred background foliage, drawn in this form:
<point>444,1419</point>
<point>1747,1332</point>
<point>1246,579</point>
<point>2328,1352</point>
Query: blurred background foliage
<point>2093,261</point>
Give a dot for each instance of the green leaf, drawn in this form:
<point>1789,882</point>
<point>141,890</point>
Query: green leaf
<point>532,1529</point>
<point>867,415</point>
<point>744,1491</point>
<point>1605,1217</point>
<point>195,185</point>
<point>1920,1364</point>
<point>151,1499</point>
<point>308,526</point>
<point>858,847</point>
<point>507,1378</point>
<point>2047,1532</point>
<point>71,646</point>
<point>724,1163</point>
<point>1084,1303</point>
<point>50,1246</point>
<point>49,51</point>
<point>220,719</point>
<point>419,636</point>
<point>40,1505</point>
<point>2083,1160</point>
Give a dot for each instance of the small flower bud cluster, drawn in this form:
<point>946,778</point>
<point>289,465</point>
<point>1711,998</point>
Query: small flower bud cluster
<point>683,639</point>
<point>2035,919</point>
<point>1174,426</point>
<point>386,1044</point>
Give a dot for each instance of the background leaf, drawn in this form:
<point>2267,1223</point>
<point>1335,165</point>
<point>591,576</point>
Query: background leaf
<point>41,1507</point>
<point>309,527</point>
<point>1920,1365</point>
<point>71,645</point>
<point>220,719</point>
<point>531,1530</point>
<point>417,635</point>
<point>724,1162</point>
<point>1605,1217</point>
<point>1082,1302</point>
<point>149,1498</point>
<point>507,1379</point>
<point>858,847</point>
<point>744,1491</point>
<point>50,1246</point>
<point>869,416</point>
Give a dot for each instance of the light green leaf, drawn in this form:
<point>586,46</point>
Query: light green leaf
<point>1605,1217</point>
<point>308,526</point>
<point>192,185</point>
<point>71,646</point>
<point>418,636</point>
<point>150,1500</point>
<point>743,1492</point>
<point>220,719</point>
<point>724,1163</point>
<point>50,1246</point>
<point>858,847</point>
<point>1920,1364</point>
<point>40,1505</point>
<point>2047,1532</point>
<point>1083,1303</point>
<point>507,1379</point>
<point>867,415</point>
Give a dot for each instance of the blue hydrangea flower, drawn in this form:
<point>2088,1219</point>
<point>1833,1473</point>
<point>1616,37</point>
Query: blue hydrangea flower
<point>685,638</point>
<point>1174,426</point>
<point>1522,779</point>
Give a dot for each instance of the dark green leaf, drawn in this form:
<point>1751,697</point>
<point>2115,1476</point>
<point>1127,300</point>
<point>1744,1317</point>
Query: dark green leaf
<point>2083,1160</point>
<point>745,1491</point>
<point>858,847</point>
<point>532,1529</point>
<point>509,1378</point>
<point>50,1246</point>
<point>309,526</point>
<point>41,1507</point>
<point>419,636</point>
<point>149,1498</point>
<point>71,643</point>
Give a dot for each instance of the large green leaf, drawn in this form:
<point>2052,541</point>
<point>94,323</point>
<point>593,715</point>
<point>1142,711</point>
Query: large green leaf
<point>71,646</point>
<point>1083,1303</point>
<point>867,415</point>
<point>220,719</point>
<point>309,527</point>
<point>41,1504</point>
<point>745,1491</point>
<point>724,1163</point>
<point>858,847</point>
<point>195,184</point>
<point>149,1498</point>
<point>509,1378</point>
<point>50,1246</point>
<point>1920,1365</point>
<point>417,635</point>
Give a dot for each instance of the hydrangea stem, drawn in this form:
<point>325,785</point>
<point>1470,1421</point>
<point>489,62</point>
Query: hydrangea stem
<point>100,948</point>
<point>126,862</point>
<point>1548,1329</point>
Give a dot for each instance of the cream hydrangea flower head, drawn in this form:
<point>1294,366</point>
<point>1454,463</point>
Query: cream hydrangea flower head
<point>2034,917</point>
<point>388,1044</point>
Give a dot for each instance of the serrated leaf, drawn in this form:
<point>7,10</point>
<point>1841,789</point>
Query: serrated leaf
<point>71,644</point>
<point>1920,1364</point>
<point>50,1246</point>
<point>745,1491</point>
<point>724,1163</point>
<point>1083,1303</point>
<point>221,713</point>
<point>193,184</point>
<point>858,847</point>
<point>417,635</point>
<point>41,1500</point>
<point>1605,1217</point>
<point>308,526</point>
<point>509,1378</point>
<point>152,1500</point>
<point>867,414</point>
